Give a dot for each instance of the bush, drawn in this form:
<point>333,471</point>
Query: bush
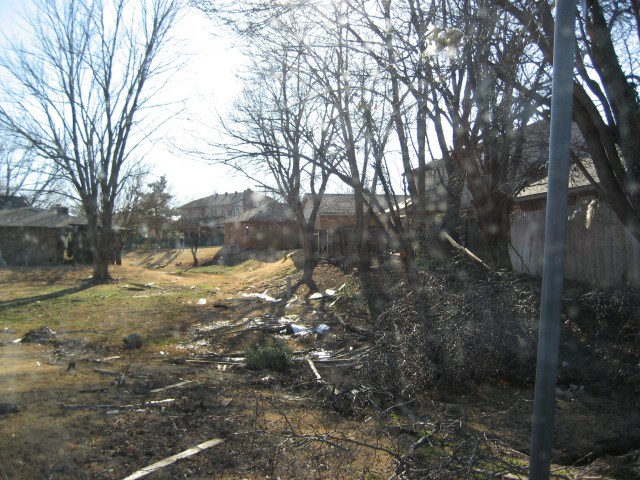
<point>273,355</point>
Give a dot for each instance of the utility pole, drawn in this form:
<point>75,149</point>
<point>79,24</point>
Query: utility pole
<point>554,240</point>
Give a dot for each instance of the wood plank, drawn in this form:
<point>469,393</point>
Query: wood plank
<point>174,458</point>
<point>175,385</point>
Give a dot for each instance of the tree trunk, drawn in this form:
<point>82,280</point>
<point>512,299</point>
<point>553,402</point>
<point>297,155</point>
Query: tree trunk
<point>194,254</point>
<point>494,225</point>
<point>103,255</point>
<point>455,186</point>
<point>309,265</point>
<point>99,244</point>
<point>100,270</point>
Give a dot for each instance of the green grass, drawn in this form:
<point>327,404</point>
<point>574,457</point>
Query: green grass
<point>214,269</point>
<point>110,312</point>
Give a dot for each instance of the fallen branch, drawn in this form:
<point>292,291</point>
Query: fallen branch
<point>466,251</point>
<point>353,329</point>
<point>105,360</point>
<point>313,367</point>
<point>151,403</point>
<point>174,458</point>
<point>175,385</point>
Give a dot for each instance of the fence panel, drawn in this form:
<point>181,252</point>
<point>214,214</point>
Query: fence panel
<point>600,250</point>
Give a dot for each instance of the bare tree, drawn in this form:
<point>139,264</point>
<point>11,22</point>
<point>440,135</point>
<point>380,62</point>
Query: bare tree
<point>76,90</point>
<point>282,131</point>
<point>440,63</point>
<point>193,224</point>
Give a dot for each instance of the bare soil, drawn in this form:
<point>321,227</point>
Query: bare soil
<point>90,408</point>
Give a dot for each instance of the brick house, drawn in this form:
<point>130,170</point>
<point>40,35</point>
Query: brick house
<point>335,225</point>
<point>210,212</point>
<point>268,226</point>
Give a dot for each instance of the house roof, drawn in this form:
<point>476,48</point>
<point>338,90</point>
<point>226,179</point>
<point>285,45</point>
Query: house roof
<point>344,203</point>
<point>577,181</point>
<point>37,217</point>
<point>222,199</point>
<point>267,212</point>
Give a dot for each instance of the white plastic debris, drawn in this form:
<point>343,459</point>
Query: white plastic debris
<point>261,296</point>
<point>322,328</point>
<point>299,329</point>
<point>202,301</point>
<point>323,294</point>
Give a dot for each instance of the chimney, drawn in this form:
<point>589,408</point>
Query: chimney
<point>60,210</point>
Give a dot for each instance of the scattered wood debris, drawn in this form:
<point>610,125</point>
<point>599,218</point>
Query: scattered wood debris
<point>40,335</point>
<point>315,370</point>
<point>175,385</point>
<point>174,458</point>
<point>261,296</point>
<point>151,403</point>
<point>105,372</point>
<point>105,360</point>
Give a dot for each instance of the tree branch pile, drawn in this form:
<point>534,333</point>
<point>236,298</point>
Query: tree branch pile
<point>476,326</point>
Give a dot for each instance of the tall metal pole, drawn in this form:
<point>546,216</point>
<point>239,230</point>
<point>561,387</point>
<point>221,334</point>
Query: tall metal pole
<point>554,241</point>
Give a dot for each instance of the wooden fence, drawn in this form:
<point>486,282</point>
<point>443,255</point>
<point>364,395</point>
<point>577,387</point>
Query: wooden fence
<point>340,243</point>
<point>599,250</point>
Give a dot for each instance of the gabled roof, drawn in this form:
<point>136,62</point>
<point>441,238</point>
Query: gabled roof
<point>37,217</point>
<point>267,212</point>
<point>215,200</point>
<point>577,182</point>
<point>224,199</point>
<point>343,203</point>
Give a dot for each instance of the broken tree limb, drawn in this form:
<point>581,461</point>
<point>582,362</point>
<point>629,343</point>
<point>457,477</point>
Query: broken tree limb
<point>175,385</point>
<point>463,249</point>
<point>174,458</point>
<point>105,360</point>
<point>152,403</point>
<point>353,329</point>
<point>315,370</point>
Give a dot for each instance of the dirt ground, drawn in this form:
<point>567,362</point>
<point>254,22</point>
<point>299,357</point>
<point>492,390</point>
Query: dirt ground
<point>87,407</point>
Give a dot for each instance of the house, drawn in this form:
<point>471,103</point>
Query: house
<point>270,225</point>
<point>33,236</point>
<point>599,249</point>
<point>335,225</point>
<point>211,212</point>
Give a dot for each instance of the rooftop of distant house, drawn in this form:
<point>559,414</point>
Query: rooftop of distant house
<point>221,199</point>
<point>32,217</point>
<point>267,212</point>
<point>344,203</point>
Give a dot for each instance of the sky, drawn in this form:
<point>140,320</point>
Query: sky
<point>207,85</point>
